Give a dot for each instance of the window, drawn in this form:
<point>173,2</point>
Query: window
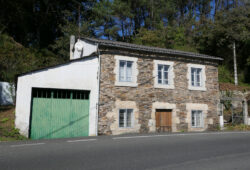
<point>163,71</point>
<point>197,118</point>
<point>125,71</point>
<point>163,74</point>
<point>125,118</point>
<point>196,77</point>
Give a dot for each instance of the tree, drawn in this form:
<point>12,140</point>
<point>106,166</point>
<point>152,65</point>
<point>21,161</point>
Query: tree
<point>16,59</point>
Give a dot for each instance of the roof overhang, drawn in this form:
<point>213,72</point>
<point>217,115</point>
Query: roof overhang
<point>155,50</point>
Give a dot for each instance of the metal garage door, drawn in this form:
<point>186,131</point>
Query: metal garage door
<point>59,113</point>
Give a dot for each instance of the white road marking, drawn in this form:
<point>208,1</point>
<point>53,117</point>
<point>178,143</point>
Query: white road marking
<point>28,144</point>
<point>187,134</point>
<point>81,140</point>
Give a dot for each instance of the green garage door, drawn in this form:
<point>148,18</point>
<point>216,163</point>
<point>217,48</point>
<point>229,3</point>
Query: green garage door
<point>59,113</point>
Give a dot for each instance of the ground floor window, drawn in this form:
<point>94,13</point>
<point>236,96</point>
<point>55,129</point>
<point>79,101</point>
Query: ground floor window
<point>125,118</point>
<point>197,118</point>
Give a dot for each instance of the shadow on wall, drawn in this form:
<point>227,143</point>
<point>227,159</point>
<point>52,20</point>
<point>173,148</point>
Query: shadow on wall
<point>6,93</point>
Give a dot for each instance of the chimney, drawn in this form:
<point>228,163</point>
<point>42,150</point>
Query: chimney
<point>72,43</point>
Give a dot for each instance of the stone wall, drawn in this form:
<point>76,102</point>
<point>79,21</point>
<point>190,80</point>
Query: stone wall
<point>238,104</point>
<point>145,98</point>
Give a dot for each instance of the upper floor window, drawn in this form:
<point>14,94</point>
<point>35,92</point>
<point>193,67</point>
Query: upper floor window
<point>196,77</point>
<point>163,71</point>
<point>163,74</point>
<point>197,118</point>
<point>125,118</point>
<point>126,71</point>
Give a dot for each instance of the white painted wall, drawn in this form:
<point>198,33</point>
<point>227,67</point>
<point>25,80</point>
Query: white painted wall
<point>83,49</point>
<point>81,75</point>
<point>221,121</point>
<point>7,91</point>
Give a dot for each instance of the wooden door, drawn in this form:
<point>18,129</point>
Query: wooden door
<point>163,120</point>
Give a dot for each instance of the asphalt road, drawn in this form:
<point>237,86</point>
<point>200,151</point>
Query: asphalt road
<point>189,151</point>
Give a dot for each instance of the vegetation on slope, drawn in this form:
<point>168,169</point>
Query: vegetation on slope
<point>34,34</point>
<point>8,132</point>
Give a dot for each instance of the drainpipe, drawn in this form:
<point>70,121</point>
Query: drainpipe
<point>99,75</point>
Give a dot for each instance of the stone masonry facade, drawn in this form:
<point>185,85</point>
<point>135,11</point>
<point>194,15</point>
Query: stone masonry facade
<point>144,99</point>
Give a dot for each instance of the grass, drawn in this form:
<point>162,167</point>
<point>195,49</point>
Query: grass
<point>4,120</point>
<point>8,132</point>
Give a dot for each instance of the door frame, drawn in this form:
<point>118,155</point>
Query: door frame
<point>163,105</point>
<point>164,111</point>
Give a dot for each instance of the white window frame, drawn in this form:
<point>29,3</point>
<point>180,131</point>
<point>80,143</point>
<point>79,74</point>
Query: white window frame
<point>125,118</point>
<point>171,75</point>
<point>125,71</point>
<point>133,82</point>
<point>197,106</point>
<point>202,86</point>
<point>197,73</point>
<point>195,121</point>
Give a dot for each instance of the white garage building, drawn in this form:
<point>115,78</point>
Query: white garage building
<point>57,101</point>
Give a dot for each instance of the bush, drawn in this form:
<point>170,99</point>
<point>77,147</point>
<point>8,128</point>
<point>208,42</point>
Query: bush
<point>225,75</point>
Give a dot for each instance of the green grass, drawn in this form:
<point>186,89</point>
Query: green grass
<point>4,120</point>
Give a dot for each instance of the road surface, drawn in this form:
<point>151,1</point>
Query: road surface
<point>187,151</point>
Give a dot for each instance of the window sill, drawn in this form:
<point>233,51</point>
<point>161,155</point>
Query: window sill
<point>125,128</point>
<point>164,86</point>
<point>126,84</point>
<point>197,129</point>
<point>197,88</point>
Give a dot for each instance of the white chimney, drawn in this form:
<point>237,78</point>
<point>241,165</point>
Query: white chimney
<point>82,49</point>
<point>72,43</point>
<point>79,49</point>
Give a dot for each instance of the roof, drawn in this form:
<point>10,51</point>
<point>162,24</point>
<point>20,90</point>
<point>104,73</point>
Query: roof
<point>143,48</point>
<point>52,66</point>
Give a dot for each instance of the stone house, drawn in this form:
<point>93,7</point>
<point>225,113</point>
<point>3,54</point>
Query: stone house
<point>130,88</point>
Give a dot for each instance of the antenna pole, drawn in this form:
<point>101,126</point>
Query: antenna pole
<point>235,66</point>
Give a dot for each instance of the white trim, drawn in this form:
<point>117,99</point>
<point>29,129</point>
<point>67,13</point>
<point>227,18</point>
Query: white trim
<point>203,77</point>
<point>134,71</point>
<point>170,74</point>
<point>201,119</point>
<point>113,116</point>
<point>197,106</point>
<point>163,105</point>
<point>125,118</point>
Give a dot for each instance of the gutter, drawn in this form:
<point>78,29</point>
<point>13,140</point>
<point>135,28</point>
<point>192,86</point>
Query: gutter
<point>98,79</point>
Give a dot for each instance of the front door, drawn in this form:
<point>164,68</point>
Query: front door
<point>163,119</point>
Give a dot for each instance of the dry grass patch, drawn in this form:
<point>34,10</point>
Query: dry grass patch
<point>240,127</point>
